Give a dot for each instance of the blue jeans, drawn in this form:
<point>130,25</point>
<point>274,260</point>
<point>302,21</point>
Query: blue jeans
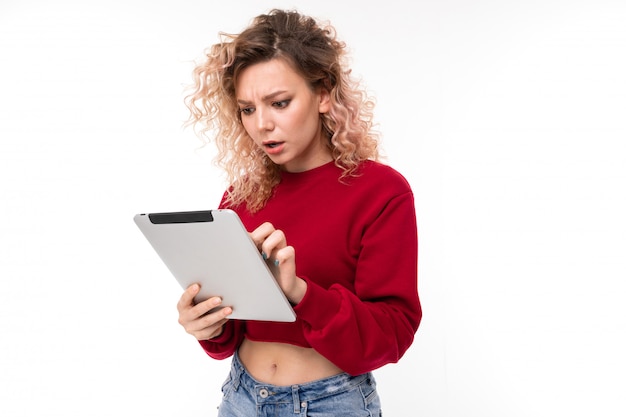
<point>339,395</point>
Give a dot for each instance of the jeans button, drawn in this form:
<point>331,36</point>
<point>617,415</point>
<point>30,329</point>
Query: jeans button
<point>263,393</point>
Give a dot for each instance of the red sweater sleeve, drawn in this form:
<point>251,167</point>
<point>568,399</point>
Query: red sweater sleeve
<point>224,345</point>
<point>376,324</point>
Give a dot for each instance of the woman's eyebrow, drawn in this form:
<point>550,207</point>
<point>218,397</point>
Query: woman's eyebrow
<point>264,98</point>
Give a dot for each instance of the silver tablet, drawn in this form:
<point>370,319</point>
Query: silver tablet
<point>213,248</point>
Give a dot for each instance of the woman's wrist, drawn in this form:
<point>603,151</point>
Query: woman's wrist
<point>298,292</point>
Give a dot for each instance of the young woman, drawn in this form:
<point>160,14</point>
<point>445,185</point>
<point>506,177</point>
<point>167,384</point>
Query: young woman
<point>294,134</point>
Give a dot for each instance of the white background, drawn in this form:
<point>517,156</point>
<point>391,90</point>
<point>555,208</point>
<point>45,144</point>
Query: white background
<point>507,118</point>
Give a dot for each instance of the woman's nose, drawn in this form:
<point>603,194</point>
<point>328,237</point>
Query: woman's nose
<point>264,120</point>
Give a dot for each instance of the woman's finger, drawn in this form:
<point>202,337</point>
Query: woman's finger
<point>259,234</point>
<point>273,243</point>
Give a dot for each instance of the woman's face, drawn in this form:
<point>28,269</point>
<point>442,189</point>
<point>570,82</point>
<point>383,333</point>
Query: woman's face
<point>281,114</point>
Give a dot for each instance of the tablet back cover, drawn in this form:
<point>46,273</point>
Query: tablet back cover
<point>214,249</point>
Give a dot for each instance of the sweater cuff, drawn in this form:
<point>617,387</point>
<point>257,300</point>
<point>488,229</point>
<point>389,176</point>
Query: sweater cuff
<point>227,334</point>
<point>310,309</point>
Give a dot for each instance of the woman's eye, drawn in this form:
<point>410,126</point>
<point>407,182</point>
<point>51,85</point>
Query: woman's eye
<point>246,111</point>
<point>281,104</point>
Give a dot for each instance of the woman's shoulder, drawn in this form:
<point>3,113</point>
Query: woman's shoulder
<point>376,172</point>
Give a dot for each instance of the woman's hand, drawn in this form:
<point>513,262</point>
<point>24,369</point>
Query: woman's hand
<point>282,260</point>
<point>194,317</point>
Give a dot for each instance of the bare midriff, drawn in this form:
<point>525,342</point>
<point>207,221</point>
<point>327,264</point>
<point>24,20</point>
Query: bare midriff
<point>283,364</point>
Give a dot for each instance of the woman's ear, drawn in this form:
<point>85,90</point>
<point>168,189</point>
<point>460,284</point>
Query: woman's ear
<point>324,101</point>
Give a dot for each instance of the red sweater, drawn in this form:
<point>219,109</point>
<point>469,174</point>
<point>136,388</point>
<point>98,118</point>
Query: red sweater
<point>356,247</point>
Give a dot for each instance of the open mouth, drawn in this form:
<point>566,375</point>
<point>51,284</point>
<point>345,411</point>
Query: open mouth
<point>273,145</point>
<point>273,148</point>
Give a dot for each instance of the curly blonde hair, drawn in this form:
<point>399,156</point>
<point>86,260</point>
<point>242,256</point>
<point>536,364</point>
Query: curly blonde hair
<point>313,50</point>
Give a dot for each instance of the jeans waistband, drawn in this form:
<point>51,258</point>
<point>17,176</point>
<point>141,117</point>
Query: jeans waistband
<point>297,393</point>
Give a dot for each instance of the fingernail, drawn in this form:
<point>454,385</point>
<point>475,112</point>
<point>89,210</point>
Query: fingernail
<point>276,262</point>
<point>264,255</point>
